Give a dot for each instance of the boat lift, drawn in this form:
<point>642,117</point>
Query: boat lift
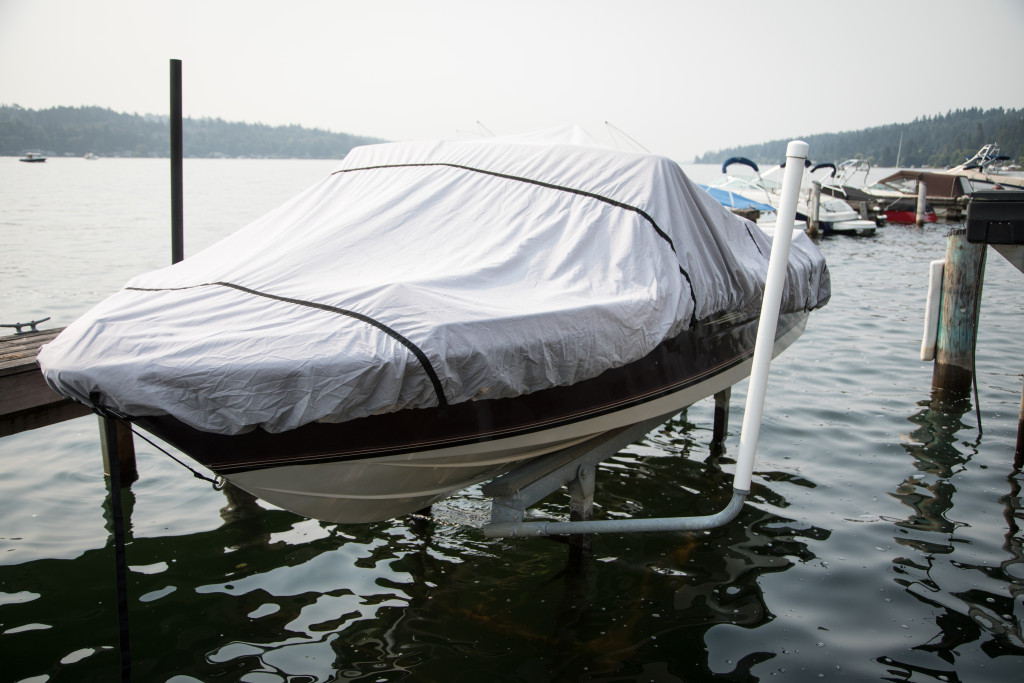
<point>512,493</point>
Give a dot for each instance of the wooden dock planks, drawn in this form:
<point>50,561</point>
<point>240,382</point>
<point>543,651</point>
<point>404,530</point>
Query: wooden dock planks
<point>26,401</point>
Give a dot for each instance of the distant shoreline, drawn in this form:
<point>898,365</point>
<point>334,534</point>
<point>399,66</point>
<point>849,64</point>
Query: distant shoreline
<point>77,131</point>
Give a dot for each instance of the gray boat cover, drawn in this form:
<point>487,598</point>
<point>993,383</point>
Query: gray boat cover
<point>423,274</point>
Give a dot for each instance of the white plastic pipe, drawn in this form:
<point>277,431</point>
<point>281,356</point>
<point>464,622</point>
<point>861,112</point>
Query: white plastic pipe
<point>778,263</point>
<point>932,310</point>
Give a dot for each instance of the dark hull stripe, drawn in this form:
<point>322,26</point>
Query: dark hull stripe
<point>674,366</point>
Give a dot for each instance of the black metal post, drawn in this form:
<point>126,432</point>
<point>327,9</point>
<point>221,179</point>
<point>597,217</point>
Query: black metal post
<point>177,189</point>
<point>120,561</point>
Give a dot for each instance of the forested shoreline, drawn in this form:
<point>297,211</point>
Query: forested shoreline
<point>76,131</point>
<point>930,141</point>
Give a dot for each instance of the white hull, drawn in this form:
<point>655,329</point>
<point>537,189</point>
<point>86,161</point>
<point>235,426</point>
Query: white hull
<point>381,488</point>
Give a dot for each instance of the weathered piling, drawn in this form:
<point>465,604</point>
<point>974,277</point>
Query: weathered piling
<point>962,280</point>
<point>118,445</point>
<point>922,194</point>
<point>813,221</point>
<point>721,428</point>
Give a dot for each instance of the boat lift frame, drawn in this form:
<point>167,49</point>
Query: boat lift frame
<point>512,493</point>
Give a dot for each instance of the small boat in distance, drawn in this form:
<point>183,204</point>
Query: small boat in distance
<point>432,314</point>
<point>33,158</point>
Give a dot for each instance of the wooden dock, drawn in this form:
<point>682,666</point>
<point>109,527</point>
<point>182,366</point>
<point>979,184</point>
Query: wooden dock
<point>26,401</point>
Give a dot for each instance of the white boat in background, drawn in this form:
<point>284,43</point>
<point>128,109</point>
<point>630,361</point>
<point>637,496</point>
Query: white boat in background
<point>835,216</point>
<point>433,313</point>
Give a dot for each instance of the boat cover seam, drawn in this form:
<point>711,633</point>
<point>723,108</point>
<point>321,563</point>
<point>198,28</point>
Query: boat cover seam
<point>416,351</point>
<point>750,234</point>
<point>541,183</point>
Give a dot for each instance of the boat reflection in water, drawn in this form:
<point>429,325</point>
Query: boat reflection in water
<point>269,592</point>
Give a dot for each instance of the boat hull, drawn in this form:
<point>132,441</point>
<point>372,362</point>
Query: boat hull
<point>386,466</point>
<point>859,228</point>
<point>909,217</point>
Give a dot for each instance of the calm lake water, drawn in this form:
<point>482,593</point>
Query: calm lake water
<point>882,539</point>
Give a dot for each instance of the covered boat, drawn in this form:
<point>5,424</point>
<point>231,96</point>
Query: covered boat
<point>430,314</point>
<point>835,216</point>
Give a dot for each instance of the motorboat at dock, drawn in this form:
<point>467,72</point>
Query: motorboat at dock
<point>947,191</point>
<point>835,216</point>
<point>433,313</point>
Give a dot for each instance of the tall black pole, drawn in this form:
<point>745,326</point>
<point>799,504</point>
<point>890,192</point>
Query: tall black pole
<point>177,190</point>
<point>120,561</point>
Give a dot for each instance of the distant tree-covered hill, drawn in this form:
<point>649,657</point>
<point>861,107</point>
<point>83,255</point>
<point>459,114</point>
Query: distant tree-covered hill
<point>932,141</point>
<point>76,131</point>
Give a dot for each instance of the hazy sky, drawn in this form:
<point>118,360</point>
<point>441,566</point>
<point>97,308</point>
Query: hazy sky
<point>681,77</point>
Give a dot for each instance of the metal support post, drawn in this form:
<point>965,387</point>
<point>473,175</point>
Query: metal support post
<point>177,185</point>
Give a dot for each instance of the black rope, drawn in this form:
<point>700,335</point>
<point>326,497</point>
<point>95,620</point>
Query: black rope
<point>218,483</point>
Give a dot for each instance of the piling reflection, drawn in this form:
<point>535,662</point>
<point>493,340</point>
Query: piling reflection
<point>969,595</point>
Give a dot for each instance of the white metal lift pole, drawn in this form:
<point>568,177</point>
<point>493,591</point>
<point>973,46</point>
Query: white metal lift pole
<point>778,263</point>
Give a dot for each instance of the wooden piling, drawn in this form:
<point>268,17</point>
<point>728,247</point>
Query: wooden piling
<point>922,194</point>
<point>118,444</point>
<point>962,280</point>
<point>721,428</point>
<point>581,507</point>
<point>813,222</point>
